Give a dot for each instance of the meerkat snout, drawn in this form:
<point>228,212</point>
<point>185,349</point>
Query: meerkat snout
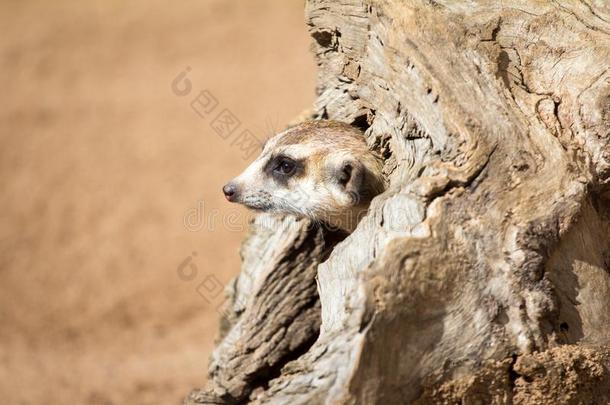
<point>230,191</point>
<point>323,170</point>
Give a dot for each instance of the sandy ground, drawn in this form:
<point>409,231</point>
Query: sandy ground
<point>100,162</point>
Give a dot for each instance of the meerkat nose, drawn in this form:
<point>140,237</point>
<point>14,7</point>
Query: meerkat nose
<point>230,191</point>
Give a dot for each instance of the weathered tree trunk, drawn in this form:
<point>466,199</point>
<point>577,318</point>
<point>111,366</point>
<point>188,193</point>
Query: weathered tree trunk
<point>483,274</point>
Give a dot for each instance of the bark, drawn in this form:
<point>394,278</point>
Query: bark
<point>482,275</point>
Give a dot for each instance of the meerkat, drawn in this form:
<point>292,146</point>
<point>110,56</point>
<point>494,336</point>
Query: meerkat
<point>322,170</point>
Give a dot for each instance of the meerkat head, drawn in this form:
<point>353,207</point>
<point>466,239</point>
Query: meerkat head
<point>322,170</point>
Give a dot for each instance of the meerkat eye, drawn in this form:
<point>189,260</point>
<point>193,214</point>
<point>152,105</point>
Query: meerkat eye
<point>285,167</point>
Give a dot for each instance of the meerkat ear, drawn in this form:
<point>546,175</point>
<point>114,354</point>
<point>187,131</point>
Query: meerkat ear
<point>350,176</point>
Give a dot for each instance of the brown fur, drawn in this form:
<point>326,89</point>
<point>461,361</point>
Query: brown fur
<point>327,132</point>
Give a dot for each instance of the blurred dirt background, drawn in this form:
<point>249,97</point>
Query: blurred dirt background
<point>99,163</point>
